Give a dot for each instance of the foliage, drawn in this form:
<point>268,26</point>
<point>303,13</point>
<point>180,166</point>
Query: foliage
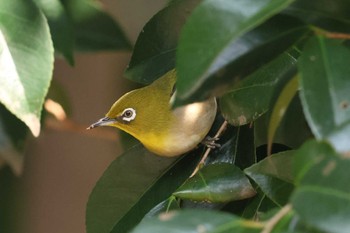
<point>279,69</point>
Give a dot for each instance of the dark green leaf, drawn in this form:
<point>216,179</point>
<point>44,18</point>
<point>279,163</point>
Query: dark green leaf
<point>8,204</point>
<point>61,27</point>
<point>236,147</point>
<point>169,204</point>
<point>324,83</point>
<point>280,108</point>
<point>249,52</point>
<point>252,97</point>
<point>26,60</point>
<point>218,25</point>
<point>8,152</point>
<point>13,133</point>
<point>330,15</point>
<point>274,176</point>
<point>154,52</point>
<point>322,198</point>
<point>94,29</point>
<point>292,131</point>
<point>189,221</point>
<point>216,183</point>
<point>131,186</point>
<point>258,205</point>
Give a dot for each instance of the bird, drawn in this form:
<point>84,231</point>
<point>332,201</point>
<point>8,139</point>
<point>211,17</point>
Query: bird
<point>147,114</point>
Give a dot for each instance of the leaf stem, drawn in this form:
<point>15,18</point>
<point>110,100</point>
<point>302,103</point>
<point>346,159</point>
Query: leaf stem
<point>332,35</point>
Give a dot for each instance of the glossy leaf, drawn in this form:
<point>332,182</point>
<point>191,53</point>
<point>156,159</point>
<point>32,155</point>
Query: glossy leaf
<point>189,221</point>
<point>280,108</point>
<point>94,29</point>
<point>131,186</point>
<point>322,198</point>
<point>154,52</point>
<point>324,83</point>
<point>250,52</point>
<point>217,25</point>
<point>252,97</point>
<point>61,27</point>
<point>26,60</point>
<point>274,176</point>
<point>236,147</point>
<point>216,183</point>
<point>330,15</point>
<point>170,204</point>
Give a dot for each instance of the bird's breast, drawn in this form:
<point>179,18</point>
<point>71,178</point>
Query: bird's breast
<point>190,124</point>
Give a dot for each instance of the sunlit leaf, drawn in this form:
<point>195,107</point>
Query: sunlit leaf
<point>26,60</point>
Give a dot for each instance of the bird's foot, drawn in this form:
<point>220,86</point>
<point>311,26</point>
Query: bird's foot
<point>211,142</point>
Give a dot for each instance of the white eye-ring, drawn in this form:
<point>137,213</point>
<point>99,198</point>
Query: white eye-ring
<point>128,114</point>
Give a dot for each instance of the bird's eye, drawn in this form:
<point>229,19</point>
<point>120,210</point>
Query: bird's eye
<point>128,114</point>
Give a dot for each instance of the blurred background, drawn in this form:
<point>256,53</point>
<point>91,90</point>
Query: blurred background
<point>62,165</point>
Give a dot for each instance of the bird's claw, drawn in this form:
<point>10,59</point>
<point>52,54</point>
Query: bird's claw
<point>211,142</point>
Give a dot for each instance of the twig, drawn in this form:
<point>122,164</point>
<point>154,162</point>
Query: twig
<point>208,150</point>
<point>269,225</point>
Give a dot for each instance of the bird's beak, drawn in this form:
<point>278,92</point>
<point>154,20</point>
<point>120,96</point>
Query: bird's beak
<point>102,122</point>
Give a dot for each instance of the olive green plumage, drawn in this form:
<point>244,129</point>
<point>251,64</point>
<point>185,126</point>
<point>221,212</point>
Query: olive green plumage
<point>147,115</point>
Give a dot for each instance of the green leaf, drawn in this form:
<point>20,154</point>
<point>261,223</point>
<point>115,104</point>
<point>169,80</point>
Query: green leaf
<point>169,204</point>
<point>292,131</point>
<point>131,186</point>
<point>26,60</point>
<point>325,89</point>
<point>258,205</point>
<point>274,176</point>
<point>61,27</point>
<point>236,147</point>
<point>250,52</point>
<point>280,108</point>
<point>94,29</point>
<point>8,151</point>
<point>309,154</point>
<point>209,42</point>
<point>154,52</point>
<point>330,15</point>
<point>252,97</point>
<point>326,209</point>
<point>189,221</point>
<point>216,183</point>
<point>322,198</point>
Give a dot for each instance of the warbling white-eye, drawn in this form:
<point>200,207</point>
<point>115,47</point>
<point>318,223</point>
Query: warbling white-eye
<point>147,115</point>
